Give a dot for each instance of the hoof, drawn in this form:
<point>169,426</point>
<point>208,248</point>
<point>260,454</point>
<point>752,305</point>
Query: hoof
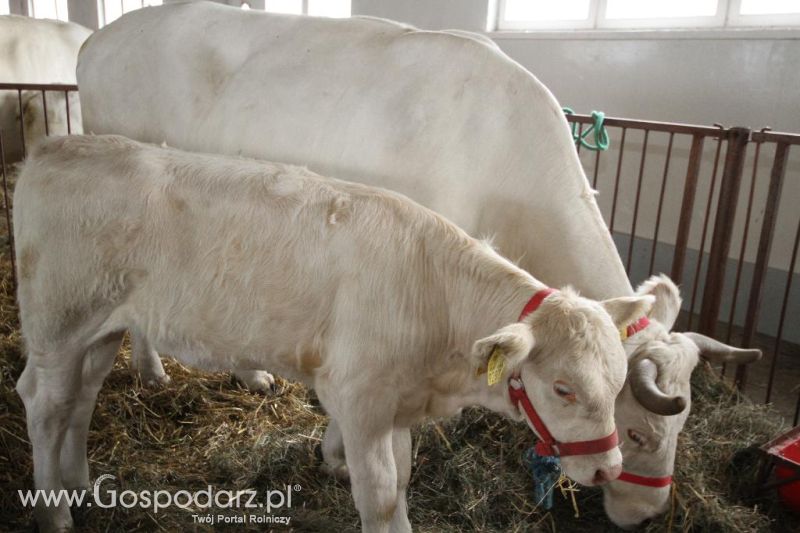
<point>53,520</point>
<point>257,381</point>
<point>155,382</point>
<point>339,472</point>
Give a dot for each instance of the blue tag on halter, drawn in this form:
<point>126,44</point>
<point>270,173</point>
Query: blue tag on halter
<point>545,471</point>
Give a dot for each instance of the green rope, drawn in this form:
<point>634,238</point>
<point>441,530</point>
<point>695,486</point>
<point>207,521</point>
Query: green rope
<point>600,133</point>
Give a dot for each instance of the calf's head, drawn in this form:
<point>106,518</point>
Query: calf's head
<point>568,356</point>
<point>654,405</point>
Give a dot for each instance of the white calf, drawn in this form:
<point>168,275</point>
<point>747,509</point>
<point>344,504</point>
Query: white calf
<point>227,262</point>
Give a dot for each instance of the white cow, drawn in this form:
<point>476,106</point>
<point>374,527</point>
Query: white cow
<point>443,117</point>
<point>37,51</point>
<point>349,289</point>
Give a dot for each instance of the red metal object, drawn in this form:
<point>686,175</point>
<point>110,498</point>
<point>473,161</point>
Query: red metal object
<point>784,452</point>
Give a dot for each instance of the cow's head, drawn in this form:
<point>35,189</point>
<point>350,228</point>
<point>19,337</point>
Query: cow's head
<point>569,357</point>
<point>655,402</point>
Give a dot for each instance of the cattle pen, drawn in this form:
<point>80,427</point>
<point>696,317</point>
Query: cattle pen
<point>717,238</point>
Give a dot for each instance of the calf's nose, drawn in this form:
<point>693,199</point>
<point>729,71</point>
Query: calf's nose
<point>604,475</point>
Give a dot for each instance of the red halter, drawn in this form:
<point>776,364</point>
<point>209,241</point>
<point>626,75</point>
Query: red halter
<point>647,481</point>
<point>548,445</point>
<point>634,328</point>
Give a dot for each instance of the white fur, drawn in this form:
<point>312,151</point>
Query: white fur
<point>37,51</point>
<point>227,262</point>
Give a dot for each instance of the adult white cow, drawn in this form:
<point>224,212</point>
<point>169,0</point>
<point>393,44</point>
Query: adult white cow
<point>345,287</point>
<point>443,117</point>
<point>37,51</point>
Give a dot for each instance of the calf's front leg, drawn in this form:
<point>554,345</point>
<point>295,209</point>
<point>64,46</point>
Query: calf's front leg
<point>373,474</point>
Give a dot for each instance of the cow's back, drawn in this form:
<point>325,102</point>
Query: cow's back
<point>36,51</point>
<point>443,117</point>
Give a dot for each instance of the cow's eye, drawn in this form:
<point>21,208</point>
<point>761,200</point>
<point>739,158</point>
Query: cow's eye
<point>637,437</point>
<point>564,391</point>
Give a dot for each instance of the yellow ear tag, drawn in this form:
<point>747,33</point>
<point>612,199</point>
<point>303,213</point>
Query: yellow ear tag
<point>497,363</point>
<point>623,333</point>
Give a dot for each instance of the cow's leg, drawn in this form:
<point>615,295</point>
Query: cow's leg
<point>367,430</point>
<point>48,387</point>
<point>145,361</point>
<point>333,457</point>
<point>256,380</point>
<point>373,474</point>
<point>401,444</point>
<point>96,365</point>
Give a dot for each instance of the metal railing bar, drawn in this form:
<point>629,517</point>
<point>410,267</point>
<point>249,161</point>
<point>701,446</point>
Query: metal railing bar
<point>687,207</point>
<point>44,107</point>
<point>7,209</point>
<point>727,200</point>
<point>652,125</point>
<point>782,319</point>
<point>616,181</point>
<point>21,122</point>
<point>638,197</point>
<point>664,178</point>
<point>37,87</point>
<point>764,249</point>
<point>775,136</point>
<point>743,248</point>
<point>711,191</point>
<point>66,102</point>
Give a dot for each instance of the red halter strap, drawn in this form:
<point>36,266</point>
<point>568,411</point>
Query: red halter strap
<point>635,328</point>
<point>647,481</point>
<point>548,445</point>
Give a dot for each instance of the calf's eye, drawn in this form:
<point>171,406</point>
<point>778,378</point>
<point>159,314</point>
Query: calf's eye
<point>637,437</point>
<point>564,391</point>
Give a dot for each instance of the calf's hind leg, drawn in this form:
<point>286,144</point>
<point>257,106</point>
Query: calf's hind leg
<point>48,387</point>
<point>97,363</point>
<point>333,458</point>
<point>145,361</point>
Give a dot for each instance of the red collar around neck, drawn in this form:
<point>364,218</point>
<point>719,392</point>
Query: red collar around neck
<point>548,445</point>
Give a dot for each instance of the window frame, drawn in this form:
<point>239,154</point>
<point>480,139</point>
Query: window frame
<point>736,20</point>
<point>727,17</point>
<point>31,10</point>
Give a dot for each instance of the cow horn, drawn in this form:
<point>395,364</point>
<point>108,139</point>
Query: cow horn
<point>644,388</point>
<point>717,352</point>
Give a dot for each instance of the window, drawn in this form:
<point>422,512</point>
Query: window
<point>111,10</point>
<point>4,9</point>
<point>48,9</point>
<point>600,14</point>
<point>318,8</point>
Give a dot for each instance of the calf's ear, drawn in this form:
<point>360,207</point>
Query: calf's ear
<point>628,309</point>
<point>514,342</point>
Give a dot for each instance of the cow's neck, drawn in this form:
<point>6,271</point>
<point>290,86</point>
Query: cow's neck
<point>480,301</point>
<point>545,216</point>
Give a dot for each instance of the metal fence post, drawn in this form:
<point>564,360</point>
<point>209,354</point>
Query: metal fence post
<point>764,248</point>
<point>687,206</point>
<point>737,139</point>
